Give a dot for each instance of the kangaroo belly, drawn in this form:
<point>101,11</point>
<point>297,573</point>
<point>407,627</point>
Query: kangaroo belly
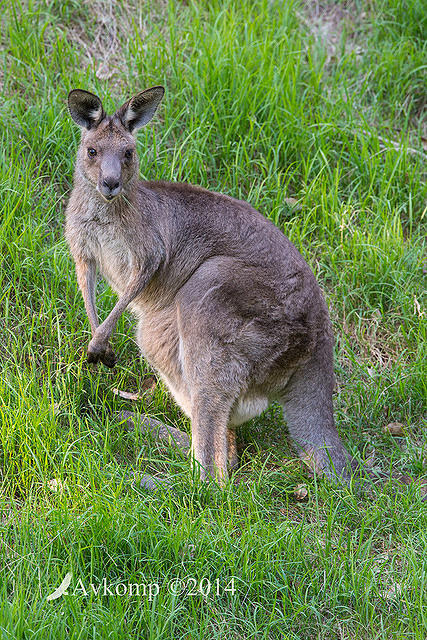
<point>158,338</point>
<point>246,407</point>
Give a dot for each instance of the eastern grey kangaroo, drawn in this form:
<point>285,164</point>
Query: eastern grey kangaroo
<point>229,313</point>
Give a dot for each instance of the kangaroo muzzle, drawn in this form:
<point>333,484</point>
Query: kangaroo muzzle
<point>110,178</point>
<point>110,187</point>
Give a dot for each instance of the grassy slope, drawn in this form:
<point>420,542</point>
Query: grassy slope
<point>258,107</point>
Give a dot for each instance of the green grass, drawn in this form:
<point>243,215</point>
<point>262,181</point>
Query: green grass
<point>258,106</point>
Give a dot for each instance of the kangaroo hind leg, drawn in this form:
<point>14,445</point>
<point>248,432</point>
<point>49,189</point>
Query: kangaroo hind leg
<point>307,408</point>
<point>210,435</point>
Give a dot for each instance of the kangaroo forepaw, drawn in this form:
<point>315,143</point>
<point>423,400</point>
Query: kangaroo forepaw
<point>101,352</point>
<point>109,358</point>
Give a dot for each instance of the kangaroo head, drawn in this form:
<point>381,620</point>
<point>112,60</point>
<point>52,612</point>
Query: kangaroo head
<point>107,157</point>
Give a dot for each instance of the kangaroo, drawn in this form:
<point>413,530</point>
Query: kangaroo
<point>229,313</point>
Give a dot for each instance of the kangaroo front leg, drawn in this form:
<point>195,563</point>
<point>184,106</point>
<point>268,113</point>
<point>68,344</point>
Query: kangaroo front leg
<point>86,275</point>
<point>99,345</point>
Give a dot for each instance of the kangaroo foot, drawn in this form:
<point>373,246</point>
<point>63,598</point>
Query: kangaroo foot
<point>398,480</point>
<point>364,475</point>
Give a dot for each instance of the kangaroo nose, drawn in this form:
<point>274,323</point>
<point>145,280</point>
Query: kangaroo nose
<point>111,183</point>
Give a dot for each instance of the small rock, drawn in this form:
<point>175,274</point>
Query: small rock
<point>396,429</point>
<point>147,481</point>
<point>422,484</point>
<point>301,492</point>
<point>393,592</point>
<point>293,203</point>
<point>55,485</point>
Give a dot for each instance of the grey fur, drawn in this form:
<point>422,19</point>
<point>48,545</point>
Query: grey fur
<point>229,313</point>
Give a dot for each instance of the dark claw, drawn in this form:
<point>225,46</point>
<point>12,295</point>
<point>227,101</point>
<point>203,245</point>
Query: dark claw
<point>109,358</point>
<point>92,358</point>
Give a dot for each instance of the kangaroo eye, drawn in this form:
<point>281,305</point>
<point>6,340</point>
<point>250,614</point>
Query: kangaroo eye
<point>91,152</point>
<point>128,153</point>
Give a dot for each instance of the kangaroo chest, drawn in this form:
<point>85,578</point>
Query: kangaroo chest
<point>111,254</point>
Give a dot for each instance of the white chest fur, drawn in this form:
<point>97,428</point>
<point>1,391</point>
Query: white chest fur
<point>111,254</point>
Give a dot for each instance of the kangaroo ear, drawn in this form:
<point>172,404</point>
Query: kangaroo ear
<point>139,110</point>
<point>85,108</point>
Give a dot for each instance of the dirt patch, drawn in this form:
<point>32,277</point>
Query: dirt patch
<point>100,37</point>
<point>109,26</point>
<point>327,21</point>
